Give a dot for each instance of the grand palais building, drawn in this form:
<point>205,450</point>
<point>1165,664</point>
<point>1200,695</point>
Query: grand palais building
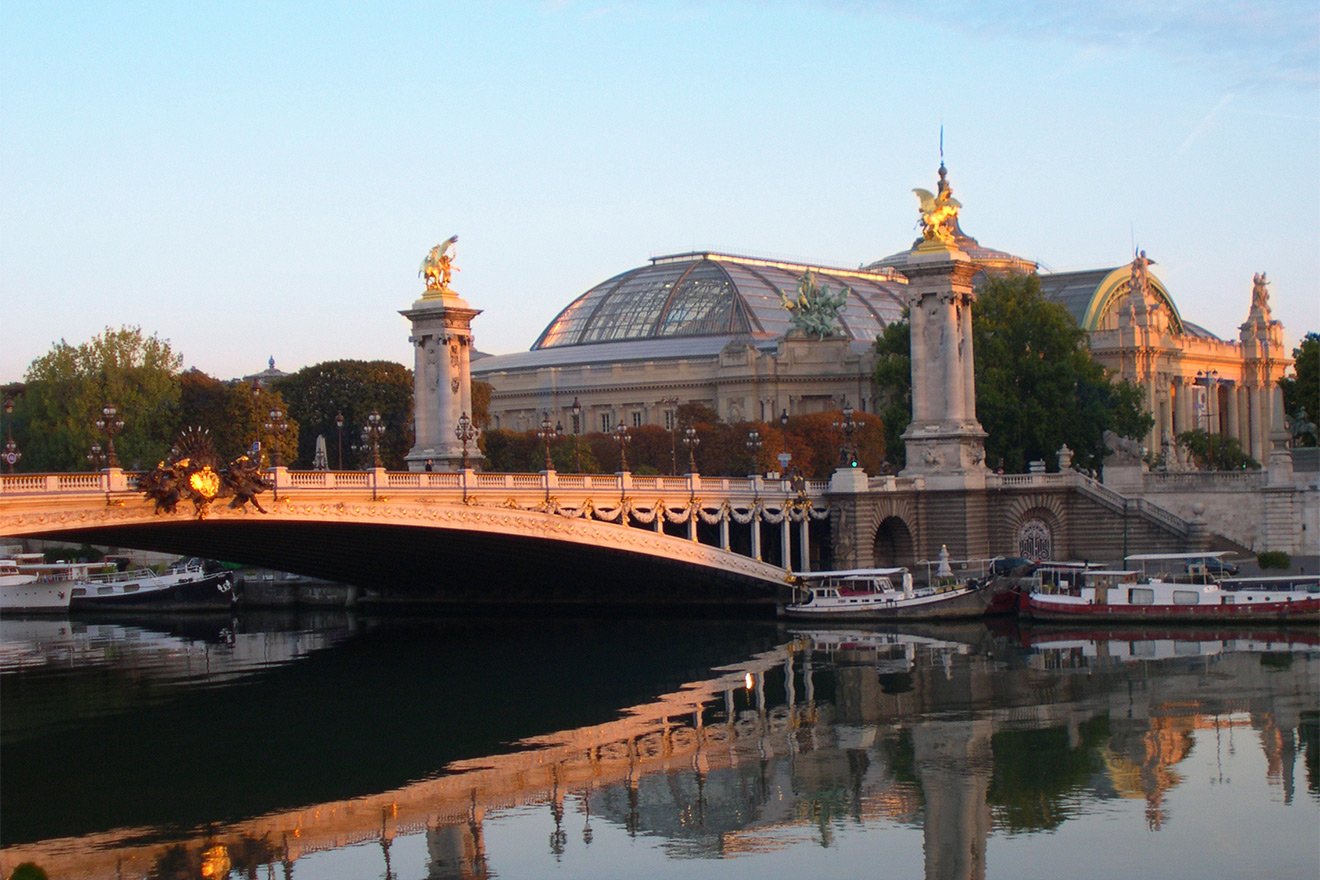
<point>713,328</point>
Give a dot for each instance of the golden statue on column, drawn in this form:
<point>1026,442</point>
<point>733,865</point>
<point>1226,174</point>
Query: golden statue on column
<point>939,215</point>
<point>438,266</point>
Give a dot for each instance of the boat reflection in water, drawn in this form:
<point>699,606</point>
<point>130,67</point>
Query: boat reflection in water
<point>943,751</point>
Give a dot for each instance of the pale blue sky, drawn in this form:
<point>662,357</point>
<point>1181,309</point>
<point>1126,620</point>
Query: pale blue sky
<point>254,179</point>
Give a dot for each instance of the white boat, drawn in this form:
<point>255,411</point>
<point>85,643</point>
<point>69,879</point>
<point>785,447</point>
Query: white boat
<point>1173,588</point>
<point>185,586</point>
<point>889,594</point>
<point>39,588</point>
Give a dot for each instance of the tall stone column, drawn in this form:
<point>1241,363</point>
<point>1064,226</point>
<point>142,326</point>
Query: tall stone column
<point>945,442</point>
<point>442,380</point>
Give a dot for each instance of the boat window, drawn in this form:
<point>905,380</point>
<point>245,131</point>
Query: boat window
<point>1141,596</point>
<point>130,588</point>
<point>78,592</point>
<point>104,591</point>
<point>1186,597</point>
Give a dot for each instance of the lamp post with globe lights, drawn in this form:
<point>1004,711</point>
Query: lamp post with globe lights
<point>690,442</point>
<point>848,454</point>
<point>339,427</point>
<point>577,432</point>
<point>110,424</point>
<point>11,454</point>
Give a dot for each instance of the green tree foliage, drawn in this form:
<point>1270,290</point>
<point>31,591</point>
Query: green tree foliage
<point>319,393</point>
<point>1036,774</point>
<point>230,412</point>
<point>1301,391</point>
<point>1037,386</point>
<point>67,387</point>
<point>1216,452</point>
<point>893,379</point>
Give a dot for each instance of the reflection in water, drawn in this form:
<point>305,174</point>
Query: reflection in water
<point>717,741</point>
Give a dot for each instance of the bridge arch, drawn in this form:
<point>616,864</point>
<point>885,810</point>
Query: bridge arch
<point>894,544</point>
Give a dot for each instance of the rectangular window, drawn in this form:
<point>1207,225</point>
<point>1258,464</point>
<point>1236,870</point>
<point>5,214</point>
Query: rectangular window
<point>1141,596</point>
<point>637,419</point>
<point>671,419</point>
<point>1186,597</point>
<point>605,423</point>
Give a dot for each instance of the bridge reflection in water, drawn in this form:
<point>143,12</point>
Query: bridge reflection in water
<point>956,731</point>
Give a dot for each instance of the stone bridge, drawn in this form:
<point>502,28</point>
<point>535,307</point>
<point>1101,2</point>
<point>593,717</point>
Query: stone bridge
<point>601,538</point>
<point>465,536</point>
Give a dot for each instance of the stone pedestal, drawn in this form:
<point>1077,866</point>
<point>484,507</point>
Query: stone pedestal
<point>945,443</point>
<point>442,380</point>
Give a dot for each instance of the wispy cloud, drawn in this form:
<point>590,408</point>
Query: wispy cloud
<point>1204,123</point>
<point>1244,43</point>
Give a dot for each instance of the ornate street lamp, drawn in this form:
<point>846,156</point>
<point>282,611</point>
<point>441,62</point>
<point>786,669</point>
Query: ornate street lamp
<point>96,457</point>
<point>276,425</point>
<point>371,434</point>
<point>11,454</point>
<point>848,454</point>
<point>465,432</point>
<point>754,445</point>
<point>339,426</point>
<point>577,430</point>
<point>110,424</point>
<point>623,438</point>
<point>546,435</point>
<point>690,442</point>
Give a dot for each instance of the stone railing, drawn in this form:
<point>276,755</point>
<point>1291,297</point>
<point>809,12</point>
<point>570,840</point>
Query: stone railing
<point>1217,481</point>
<point>738,489</point>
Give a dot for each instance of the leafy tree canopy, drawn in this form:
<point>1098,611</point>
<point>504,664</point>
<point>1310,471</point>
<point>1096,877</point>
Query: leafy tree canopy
<point>1037,386</point>
<point>68,386</point>
<point>1301,391</point>
<point>318,394</point>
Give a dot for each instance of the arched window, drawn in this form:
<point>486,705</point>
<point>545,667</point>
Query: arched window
<point>1034,540</point>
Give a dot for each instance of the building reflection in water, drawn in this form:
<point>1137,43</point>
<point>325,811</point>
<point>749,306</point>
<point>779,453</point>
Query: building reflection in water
<point>956,731</point>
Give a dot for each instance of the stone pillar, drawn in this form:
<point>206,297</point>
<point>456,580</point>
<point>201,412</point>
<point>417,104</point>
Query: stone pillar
<point>1232,406</point>
<point>1257,448</point>
<point>945,442</point>
<point>442,380</point>
<point>1281,529</point>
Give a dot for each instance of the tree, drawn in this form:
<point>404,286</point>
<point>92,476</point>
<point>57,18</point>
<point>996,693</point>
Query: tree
<point>226,410</point>
<point>1301,392</point>
<point>68,386</point>
<point>353,389</point>
<point>1216,452</point>
<point>893,379</point>
<point>1037,386</point>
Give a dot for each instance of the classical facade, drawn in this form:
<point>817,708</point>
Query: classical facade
<point>726,331</point>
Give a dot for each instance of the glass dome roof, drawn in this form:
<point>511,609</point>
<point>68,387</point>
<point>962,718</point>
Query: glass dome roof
<point>711,294</point>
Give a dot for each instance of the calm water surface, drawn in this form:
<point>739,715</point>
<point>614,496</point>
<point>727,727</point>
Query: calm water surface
<point>333,746</point>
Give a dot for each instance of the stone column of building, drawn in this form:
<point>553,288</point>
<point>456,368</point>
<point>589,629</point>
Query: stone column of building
<point>442,380</point>
<point>1183,406</point>
<point>1232,428</point>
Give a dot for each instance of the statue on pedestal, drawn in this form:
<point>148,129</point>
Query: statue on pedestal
<point>939,214</point>
<point>439,265</point>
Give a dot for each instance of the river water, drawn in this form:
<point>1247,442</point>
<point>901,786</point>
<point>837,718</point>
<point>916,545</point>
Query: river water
<point>334,746</point>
